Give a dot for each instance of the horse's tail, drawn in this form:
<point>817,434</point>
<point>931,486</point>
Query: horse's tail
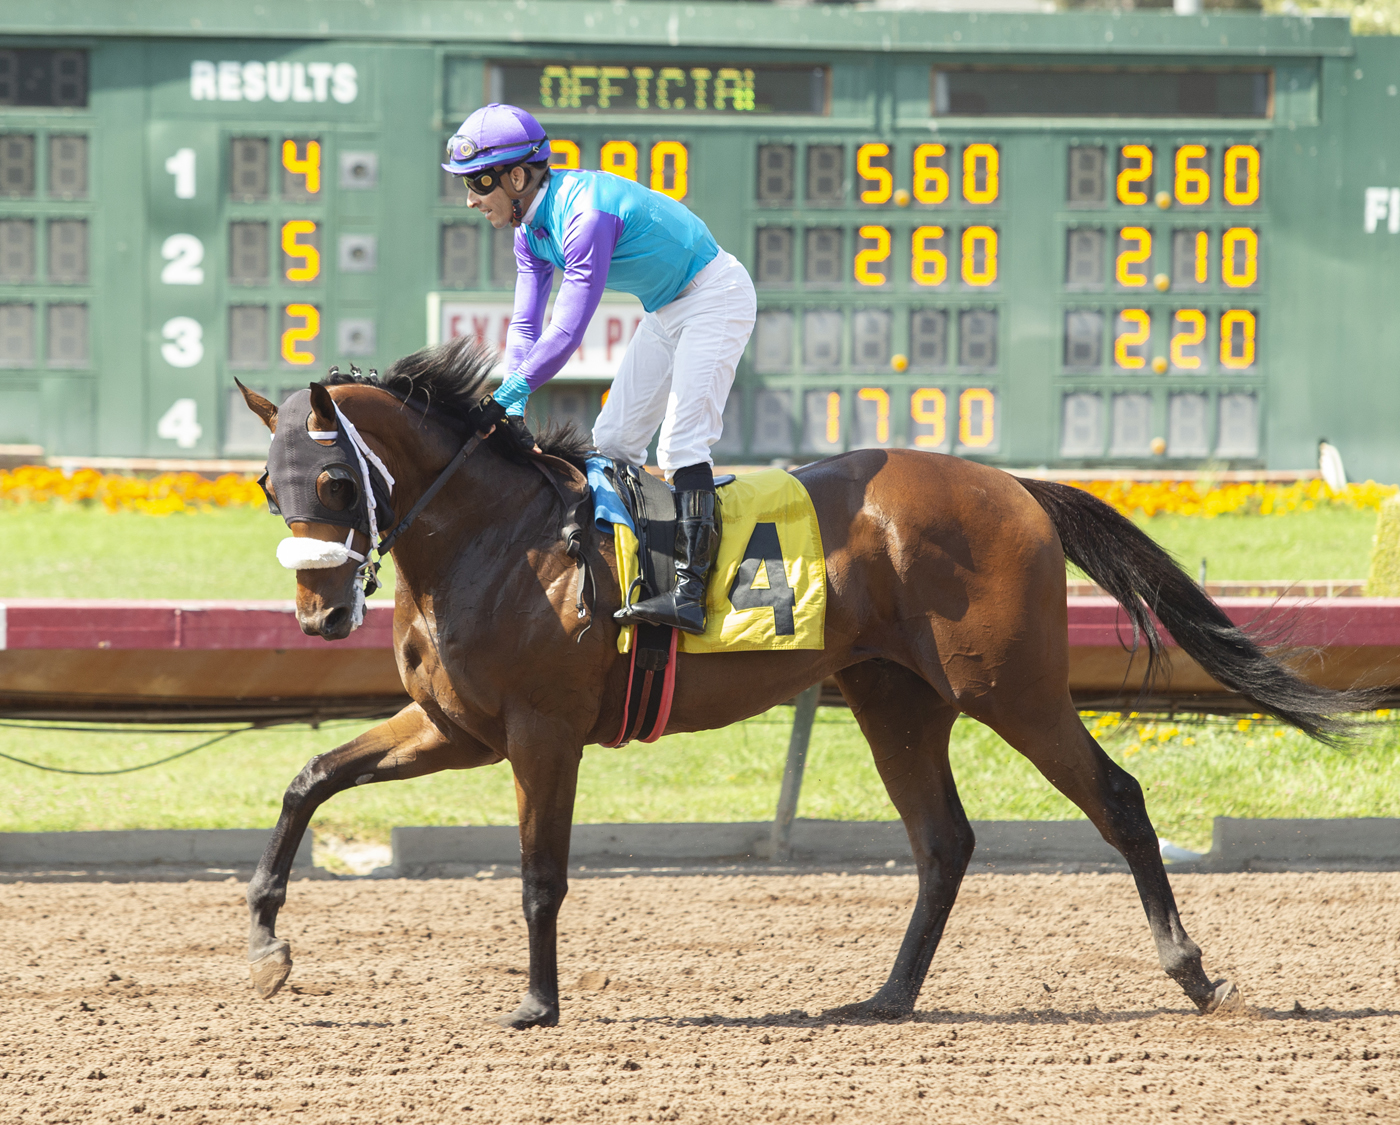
<point>1145,580</point>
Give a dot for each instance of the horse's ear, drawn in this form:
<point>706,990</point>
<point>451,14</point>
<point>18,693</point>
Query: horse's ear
<point>322,408</point>
<point>260,406</point>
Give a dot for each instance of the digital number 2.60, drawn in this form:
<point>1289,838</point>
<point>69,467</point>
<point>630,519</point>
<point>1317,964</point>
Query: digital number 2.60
<point>1191,175</point>
<point>928,255</point>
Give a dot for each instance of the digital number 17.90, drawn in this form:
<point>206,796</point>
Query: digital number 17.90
<point>935,417</point>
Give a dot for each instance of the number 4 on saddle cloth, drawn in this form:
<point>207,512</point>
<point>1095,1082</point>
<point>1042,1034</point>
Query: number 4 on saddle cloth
<point>767,587</point>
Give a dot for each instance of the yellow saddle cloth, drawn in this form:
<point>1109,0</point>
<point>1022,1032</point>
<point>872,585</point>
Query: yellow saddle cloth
<point>768,586</point>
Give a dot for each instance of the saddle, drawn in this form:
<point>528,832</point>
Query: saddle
<point>651,503</point>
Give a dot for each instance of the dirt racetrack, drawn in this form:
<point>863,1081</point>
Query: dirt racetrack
<point>131,1002</point>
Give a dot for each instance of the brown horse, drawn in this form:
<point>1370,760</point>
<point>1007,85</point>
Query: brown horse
<point>946,597</point>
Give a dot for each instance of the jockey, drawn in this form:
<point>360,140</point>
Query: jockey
<point>604,231</point>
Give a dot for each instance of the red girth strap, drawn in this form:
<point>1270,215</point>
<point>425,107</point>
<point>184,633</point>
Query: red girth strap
<point>648,696</point>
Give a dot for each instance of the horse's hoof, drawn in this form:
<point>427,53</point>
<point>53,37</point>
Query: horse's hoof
<point>270,971</point>
<point>872,1009</point>
<point>1227,1001</point>
<point>530,1015</point>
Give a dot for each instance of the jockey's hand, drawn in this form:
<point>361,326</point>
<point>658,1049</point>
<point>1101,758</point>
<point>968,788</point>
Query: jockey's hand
<point>511,394</point>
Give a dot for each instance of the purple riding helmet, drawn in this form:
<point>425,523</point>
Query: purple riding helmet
<point>493,136</point>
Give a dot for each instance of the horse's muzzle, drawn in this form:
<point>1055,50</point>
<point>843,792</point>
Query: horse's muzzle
<point>332,622</point>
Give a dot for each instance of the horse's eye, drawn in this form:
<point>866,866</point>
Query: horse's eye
<point>335,488</point>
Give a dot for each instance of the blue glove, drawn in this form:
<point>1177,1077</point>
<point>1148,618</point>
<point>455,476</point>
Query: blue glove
<point>512,393</point>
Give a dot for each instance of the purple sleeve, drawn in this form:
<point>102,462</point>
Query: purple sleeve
<point>533,277</point>
<point>589,240</point>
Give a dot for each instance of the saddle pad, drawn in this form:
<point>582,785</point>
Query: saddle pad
<point>768,586</point>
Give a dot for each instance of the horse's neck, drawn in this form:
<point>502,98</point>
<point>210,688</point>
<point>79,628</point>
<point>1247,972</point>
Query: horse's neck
<point>491,510</point>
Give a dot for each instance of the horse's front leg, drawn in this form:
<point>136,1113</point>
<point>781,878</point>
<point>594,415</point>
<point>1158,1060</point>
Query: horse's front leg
<point>546,778</point>
<point>411,744</point>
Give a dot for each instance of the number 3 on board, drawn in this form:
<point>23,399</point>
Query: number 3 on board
<point>184,346</point>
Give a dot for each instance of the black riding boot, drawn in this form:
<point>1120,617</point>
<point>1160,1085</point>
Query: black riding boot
<point>697,543</point>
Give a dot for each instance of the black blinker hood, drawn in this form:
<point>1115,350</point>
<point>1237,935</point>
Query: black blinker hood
<point>295,460</point>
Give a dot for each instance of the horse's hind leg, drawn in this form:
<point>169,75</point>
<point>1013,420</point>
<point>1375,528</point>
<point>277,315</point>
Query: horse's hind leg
<point>408,745</point>
<point>907,724</point>
<point>1066,753</point>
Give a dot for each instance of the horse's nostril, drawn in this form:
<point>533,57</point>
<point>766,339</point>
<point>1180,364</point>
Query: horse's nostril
<point>335,619</point>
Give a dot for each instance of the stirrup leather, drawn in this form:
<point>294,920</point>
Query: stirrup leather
<point>697,544</point>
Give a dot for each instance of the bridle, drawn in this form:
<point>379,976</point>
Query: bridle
<point>488,414</point>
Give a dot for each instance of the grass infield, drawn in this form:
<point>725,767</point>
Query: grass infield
<point>67,551</point>
<point>70,551</point>
<point>1190,772</point>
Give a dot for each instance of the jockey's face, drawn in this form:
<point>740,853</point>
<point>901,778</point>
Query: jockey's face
<point>495,205</point>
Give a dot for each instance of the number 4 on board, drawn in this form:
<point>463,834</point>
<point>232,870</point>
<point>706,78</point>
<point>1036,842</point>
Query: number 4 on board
<point>764,552</point>
<point>180,424</point>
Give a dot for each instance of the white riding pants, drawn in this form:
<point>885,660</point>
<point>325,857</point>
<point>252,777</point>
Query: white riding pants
<point>678,369</point>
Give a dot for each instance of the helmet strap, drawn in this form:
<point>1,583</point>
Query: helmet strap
<point>532,180</point>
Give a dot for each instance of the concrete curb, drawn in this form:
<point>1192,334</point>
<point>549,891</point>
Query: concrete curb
<point>815,843</point>
<point>1360,844</point>
<point>192,848</point>
<point>1365,844</point>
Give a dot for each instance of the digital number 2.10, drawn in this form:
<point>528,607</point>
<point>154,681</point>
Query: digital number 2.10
<point>1239,256</point>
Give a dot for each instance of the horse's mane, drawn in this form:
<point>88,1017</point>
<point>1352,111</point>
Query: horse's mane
<point>450,379</point>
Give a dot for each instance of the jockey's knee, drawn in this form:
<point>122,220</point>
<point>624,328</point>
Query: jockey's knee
<point>612,441</point>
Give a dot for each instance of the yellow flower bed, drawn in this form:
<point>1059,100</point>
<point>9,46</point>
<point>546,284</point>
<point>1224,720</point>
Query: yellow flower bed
<point>186,492</point>
<point>1187,498</point>
<point>1149,735</point>
<point>117,492</point>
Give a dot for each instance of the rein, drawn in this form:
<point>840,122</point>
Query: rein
<point>492,414</point>
<point>572,535</point>
<point>391,536</point>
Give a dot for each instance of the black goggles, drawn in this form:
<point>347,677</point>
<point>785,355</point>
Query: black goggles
<point>486,181</point>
